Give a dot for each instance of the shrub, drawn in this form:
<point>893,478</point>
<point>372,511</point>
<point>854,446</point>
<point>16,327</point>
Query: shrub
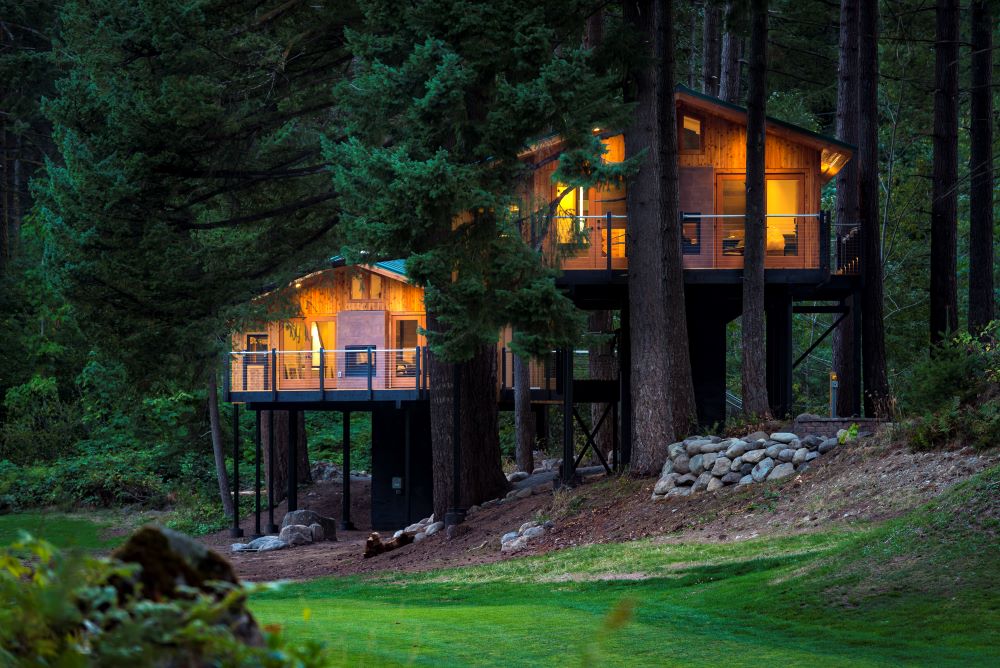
<point>39,425</point>
<point>62,609</point>
<point>978,426</point>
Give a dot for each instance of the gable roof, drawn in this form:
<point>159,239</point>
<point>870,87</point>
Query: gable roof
<point>395,267</point>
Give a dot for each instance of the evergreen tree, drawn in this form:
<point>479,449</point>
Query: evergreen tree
<point>443,98</point>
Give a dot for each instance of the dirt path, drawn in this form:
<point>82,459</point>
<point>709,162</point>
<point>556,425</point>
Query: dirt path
<point>862,482</point>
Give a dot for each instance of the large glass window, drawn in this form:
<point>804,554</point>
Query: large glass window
<point>365,285</point>
<point>406,343</point>
<point>783,196</point>
<point>570,228</point>
<point>323,336</point>
<point>257,343</point>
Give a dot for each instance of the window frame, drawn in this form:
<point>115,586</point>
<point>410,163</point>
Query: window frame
<point>681,113</point>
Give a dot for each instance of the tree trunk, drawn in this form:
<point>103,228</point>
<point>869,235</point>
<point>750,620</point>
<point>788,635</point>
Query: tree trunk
<point>944,203</point>
<point>602,367</point>
<point>651,421</point>
<point>710,56</point>
<point>278,487</point>
<point>5,214</point>
<point>594,30</point>
<point>682,410</point>
<point>754,374</point>
<point>876,382</point>
<point>692,51</point>
<point>481,472</point>
<point>847,196</point>
<point>218,449</point>
<point>731,65</point>
<point>524,415</point>
<point>981,299</point>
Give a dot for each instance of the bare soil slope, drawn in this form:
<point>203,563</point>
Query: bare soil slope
<point>861,482</point>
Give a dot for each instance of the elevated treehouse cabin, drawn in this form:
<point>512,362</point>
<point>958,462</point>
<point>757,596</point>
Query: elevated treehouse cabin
<point>354,340</point>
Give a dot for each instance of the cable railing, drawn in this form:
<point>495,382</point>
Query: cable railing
<point>791,240</point>
<point>352,368</point>
<point>545,372</point>
<point>592,241</point>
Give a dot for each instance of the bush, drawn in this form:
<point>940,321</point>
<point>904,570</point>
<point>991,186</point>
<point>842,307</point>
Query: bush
<point>63,609</point>
<point>39,425</point>
<point>978,426</point>
<point>962,369</point>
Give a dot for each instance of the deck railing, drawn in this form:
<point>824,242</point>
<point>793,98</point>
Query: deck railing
<point>848,249</point>
<point>355,368</point>
<point>545,372</point>
<point>792,240</point>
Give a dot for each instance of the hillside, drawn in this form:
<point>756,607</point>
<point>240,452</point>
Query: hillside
<point>859,484</point>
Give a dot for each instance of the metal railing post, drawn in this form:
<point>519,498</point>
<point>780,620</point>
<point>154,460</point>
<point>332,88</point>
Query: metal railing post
<point>274,374</point>
<point>236,531</point>
<point>322,373</point>
<point>370,368</point>
<point>608,244</point>
<point>824,241</point>
<point>417,378</point>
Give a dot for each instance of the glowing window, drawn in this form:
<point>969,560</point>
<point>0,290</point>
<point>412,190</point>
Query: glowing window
<point>690,134</point>
<point>570,225</point>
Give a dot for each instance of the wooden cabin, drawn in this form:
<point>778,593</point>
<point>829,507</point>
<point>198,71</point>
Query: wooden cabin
<point>352,328</point>
<point>588,231</point>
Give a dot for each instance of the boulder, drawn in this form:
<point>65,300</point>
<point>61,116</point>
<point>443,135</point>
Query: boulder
<point>675,449</point>
<point>812,441</point>
<point>736,464</point>
<point>827,445</point>
<point>668,468</point>
<point>762,469</point>
<point>682,464</point>
<point>721,466</point>
<point>296,534</point>
<point>517,476</point>
<point>694,447</point>
<point>419,537</point>
<point>773,450</point>
<point>786,455</point>
<point>730,478</point>
<point>756,436</point>
<point>811,456</point>
<point>800,456</point>
<point>714,484</point>
<point>434,528</point>
<point>746,468</point>
<point>267,544</point>
<point>701,484</point>
<point>712,447</point>
<point>507,537</point>
<point>737,448</point>
<point>783,437</point>
<point>679,491</point>
<point>523,493</point>
<point>307,517</point>
<point>697,464</point>
<point>171,562</point>
<point>782,471</point>
<point>533,532</point>
<point>515,545</point>
<point>745,480</point>
<point>665,484</point>
<point>686,480</point>
<point>318,535</point>
<point>708,460</point>
<point>527,525</point>
<point>416,527</point>
<point>753,456</point>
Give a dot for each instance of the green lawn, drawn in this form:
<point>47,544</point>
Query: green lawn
<point>60,530</point>
<point>922,590</point>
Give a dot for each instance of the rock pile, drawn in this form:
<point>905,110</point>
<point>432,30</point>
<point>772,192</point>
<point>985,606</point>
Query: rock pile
<point>707,463</point>
<point>515,541</point>
<point>421,530</point>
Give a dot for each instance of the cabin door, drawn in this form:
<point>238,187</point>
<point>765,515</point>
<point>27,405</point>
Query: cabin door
<point>323,336</point>
<point>404,330</point>
<point>785,235</point>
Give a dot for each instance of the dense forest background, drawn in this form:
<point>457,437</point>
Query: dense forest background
<point>103,394</point>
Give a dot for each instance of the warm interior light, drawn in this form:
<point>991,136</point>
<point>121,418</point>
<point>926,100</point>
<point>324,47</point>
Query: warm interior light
<point>298,284</point>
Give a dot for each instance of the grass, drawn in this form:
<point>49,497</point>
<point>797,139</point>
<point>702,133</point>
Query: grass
<point>920,590</point>
<point>66,531</point>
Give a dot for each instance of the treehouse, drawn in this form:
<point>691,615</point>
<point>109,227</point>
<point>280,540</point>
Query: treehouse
<point>353,334</point>
<point>588,232</point>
